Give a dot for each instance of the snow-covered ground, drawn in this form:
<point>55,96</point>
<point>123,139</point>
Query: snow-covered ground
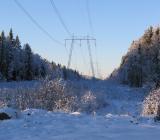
<point>119,120</point>
<point>42,125</point>
<point>121,99</point>
<point>22,84</point>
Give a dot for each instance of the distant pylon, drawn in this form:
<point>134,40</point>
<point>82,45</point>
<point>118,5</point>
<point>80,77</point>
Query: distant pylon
<point>81,39</point>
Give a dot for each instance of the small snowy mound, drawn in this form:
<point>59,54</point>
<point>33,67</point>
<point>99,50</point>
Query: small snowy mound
<point>8,113</point>
<point>76,113</point>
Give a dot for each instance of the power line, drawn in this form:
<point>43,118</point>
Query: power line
<point>63,24</point>
<point>92,32</point>
<point>36,23</point>
<point>89,17</point>
<point>60,17</point>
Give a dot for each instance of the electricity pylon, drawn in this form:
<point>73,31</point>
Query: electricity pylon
<point>86,39</point>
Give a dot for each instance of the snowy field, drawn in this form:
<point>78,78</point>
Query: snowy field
<point>42,125</point>
<point>119,120</point>
<point>13,85</point>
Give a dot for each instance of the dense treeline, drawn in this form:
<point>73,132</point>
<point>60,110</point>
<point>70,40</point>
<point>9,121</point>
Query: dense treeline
<point>18,62</point>
<point>142,62</point>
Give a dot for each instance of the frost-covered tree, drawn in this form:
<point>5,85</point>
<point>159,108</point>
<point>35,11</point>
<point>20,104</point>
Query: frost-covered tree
<point>141,64</point>
<point>3,63</point>
<point>17,42</point>
<point>11,35</point>
<point>147,37</point>
<point>28,62</point>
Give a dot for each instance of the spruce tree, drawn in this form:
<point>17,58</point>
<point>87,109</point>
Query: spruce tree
<point>65,76</point>
<point>28,62</point>
<point>139,67</point>
<point>11,35</point>
<point>17,42</point>
<point>3,63</point>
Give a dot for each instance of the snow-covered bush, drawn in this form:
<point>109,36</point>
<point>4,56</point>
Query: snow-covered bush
<point>151,105</point>
<point>88,101</point>
<point>54,95</point>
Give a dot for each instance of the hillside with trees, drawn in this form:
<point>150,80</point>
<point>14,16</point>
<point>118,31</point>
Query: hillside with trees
<point>141,64</point>
<point>18,62</point>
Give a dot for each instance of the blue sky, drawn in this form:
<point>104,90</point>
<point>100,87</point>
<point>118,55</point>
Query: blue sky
<point>116,24</point>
